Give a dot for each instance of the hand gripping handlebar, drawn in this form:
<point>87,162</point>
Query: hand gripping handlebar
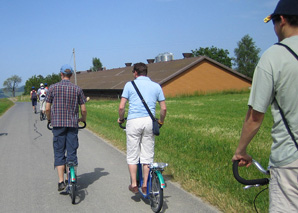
<point>262,181</point>
<point>121,125</point>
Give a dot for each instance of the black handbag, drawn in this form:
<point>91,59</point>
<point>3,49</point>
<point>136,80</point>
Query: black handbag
<point>280,110</point>
<point>155,124</point>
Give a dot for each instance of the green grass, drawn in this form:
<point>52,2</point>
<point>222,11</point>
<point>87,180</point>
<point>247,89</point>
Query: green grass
<point>198,140</point>
<point>5,104</point>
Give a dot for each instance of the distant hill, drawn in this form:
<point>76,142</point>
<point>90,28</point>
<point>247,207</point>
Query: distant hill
<point>3,94</point>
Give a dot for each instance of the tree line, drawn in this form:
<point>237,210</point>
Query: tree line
<point>246,56</point>
<point>35,81</point>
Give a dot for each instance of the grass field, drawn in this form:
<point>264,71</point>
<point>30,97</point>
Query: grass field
<point>5,104</point>
<point>198,140</point>
<point>24,98</point>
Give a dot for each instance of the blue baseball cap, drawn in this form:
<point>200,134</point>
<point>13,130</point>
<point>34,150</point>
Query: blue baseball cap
<point>66,69</point>
<point>284,7</point>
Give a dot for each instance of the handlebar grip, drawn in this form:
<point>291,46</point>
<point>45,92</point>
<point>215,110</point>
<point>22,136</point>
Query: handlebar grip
<point>49,126</point>
<point>262,181</point>
<point>121,126</point>
<point>82,127</point>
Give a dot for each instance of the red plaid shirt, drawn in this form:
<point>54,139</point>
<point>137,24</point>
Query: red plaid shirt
<point>65,98</point>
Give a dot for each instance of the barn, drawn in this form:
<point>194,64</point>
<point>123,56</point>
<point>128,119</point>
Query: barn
<point>177,77</point>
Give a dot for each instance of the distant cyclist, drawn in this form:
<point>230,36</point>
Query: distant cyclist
<point>42,92</point>
<point>46,85</point>
<point>33,97</point>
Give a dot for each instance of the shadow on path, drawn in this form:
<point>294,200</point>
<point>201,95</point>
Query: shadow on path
<point>138,197</point>
<point>36,130</point>
<point>86,179</point>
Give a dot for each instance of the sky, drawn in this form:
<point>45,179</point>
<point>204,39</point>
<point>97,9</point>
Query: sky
<point>37,37</point>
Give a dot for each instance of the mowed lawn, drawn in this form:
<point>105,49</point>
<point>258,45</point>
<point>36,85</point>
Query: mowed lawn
<point>198,140</point>
<point>5,104</point>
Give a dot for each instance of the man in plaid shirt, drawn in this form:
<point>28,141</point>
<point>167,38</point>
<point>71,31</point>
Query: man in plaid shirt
<point>62,108</point>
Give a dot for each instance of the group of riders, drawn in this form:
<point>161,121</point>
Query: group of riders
<point>40,95</point>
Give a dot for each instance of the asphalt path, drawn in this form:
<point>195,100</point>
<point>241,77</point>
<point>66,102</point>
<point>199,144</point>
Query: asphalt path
<point>28,180</point>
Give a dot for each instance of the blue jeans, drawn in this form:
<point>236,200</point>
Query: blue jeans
<point>65,140</point>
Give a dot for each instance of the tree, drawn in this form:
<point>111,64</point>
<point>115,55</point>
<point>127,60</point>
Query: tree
<point>247,56</point>
<point>36,80</point>
<point>219,55</point>
<point>11,84</point>
<point>97,65</point>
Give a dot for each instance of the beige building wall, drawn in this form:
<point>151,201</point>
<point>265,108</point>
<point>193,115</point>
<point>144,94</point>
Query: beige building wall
<point>204,77</point>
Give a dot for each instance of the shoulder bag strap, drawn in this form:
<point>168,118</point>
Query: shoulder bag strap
<point>286,124</point>
<point>143,101</point>
<point>288,48</point>
<point>281,111</point>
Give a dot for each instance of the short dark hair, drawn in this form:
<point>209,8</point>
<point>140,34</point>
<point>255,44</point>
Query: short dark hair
<point>67,73</point>
<point>140,68</point>
<point>292,20</point>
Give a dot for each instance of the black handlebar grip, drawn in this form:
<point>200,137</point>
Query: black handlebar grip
<point>82,127</point>
<point>49,126</point>
<point>262,181</point>
<point>121,126</point>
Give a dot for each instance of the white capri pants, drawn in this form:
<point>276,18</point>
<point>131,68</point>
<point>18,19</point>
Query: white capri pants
<point>42,104</point>
<point>139,141</point>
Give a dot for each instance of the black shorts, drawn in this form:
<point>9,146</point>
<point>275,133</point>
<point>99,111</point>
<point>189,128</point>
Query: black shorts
<point>34,102</point>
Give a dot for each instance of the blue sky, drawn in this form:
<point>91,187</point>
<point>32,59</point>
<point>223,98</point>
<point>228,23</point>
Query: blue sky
<point>37,36</point>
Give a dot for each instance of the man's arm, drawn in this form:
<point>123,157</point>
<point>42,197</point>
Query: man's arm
<point>163,111</point>
<point>48,111</point>
<point>121,110</point>
<point>83,113</point>
<point>250,128</point>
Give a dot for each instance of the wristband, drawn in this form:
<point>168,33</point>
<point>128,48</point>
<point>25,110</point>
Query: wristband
<point>121,120</point>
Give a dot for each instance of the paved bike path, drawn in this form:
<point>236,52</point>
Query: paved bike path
<point>29,182</point>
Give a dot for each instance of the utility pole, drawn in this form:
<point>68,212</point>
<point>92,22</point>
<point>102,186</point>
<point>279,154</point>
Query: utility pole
<point>75,70</point>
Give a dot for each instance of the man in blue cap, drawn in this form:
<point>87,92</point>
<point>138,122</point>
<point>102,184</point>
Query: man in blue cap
<point>62,109</point>
<point>275,82</point>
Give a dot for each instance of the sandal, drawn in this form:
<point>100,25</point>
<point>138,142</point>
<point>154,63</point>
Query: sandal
<point>144,190</point>
<point>133,189</point>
